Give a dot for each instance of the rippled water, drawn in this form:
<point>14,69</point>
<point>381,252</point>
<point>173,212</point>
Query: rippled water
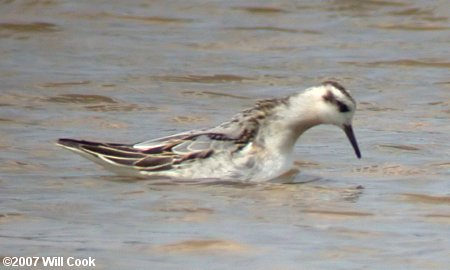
<point>134,70</point>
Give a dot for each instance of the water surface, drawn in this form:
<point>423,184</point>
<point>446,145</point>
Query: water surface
<point>127,72</point>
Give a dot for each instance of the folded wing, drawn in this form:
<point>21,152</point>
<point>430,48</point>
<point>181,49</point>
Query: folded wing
<point>156,155</point>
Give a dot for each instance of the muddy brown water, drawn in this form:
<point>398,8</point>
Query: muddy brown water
<point>135,70</point>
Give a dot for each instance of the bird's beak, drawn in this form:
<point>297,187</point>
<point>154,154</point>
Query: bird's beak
<point>351,137</point>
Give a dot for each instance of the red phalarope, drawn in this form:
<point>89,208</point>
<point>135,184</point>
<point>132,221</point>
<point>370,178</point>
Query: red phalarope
<point>256,144</point>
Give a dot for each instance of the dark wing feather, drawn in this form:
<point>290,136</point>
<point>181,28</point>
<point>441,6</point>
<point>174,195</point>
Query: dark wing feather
<point>113,151</point>
<point>152,159</point>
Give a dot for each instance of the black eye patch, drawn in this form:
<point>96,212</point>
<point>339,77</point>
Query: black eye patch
<point>342,107</point>
<point>329,97</point>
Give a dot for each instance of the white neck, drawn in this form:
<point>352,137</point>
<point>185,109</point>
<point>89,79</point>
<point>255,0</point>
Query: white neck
<point>287,124</point>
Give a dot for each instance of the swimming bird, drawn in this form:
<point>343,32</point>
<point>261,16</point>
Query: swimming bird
<point>255,145</point>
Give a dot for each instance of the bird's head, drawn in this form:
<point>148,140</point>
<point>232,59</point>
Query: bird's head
<point>332,104</point>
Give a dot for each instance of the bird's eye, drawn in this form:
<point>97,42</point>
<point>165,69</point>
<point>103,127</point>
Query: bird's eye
<point>342,107</point>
